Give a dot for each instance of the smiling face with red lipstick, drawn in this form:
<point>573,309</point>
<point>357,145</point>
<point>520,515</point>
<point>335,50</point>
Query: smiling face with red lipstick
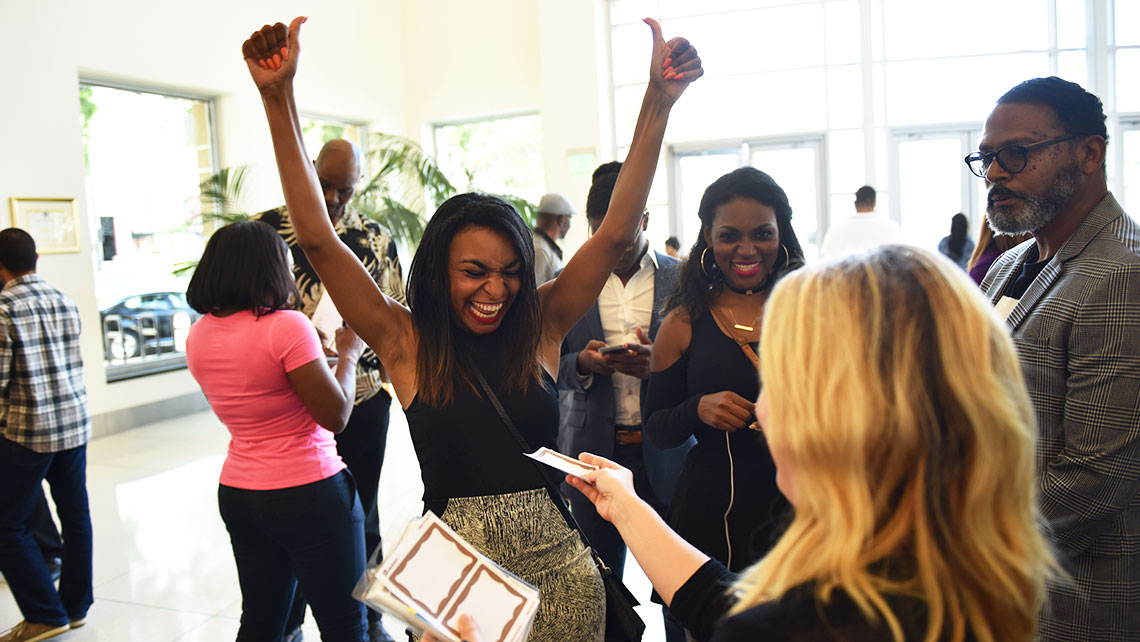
<point>744,240</point>
<point>485,275</point>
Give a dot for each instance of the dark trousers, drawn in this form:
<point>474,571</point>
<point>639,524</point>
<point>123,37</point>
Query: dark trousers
<point>310,535</point>
<point>602,535</point>
<point>361,446</point>
<point>22,472</point>
<point>44,531</point>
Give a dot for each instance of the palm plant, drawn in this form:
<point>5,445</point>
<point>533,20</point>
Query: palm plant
<point>405,183</point>
<point>397,195</point>
<point>225,190</point>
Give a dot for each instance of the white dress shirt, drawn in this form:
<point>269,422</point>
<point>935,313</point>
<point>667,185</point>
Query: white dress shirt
<point>623,309</point>
<point>861,232</point>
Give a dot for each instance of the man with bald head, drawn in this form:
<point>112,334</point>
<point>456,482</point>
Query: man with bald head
<point>339,168</point>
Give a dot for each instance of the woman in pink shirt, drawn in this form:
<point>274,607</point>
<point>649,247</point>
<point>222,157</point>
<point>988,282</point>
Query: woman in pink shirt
<point>285,496</point>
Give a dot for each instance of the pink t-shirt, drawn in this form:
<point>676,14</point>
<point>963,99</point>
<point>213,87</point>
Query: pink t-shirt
<point>240,361</point>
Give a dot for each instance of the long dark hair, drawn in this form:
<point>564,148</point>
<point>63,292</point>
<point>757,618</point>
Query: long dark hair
<point>958,229</point>
<point>245,266</point>
<point>443,354</point>
<point>696,289</point>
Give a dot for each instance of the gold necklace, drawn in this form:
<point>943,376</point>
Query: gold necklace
<point>739,326</point>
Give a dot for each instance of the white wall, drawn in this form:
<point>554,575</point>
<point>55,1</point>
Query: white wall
<point>352,66</point>
<point>470,59</point>
<point>398,65</point>
<point>575,84</point>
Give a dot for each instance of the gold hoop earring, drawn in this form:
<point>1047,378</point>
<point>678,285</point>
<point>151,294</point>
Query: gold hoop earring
<point>704,269</point>
<point>787,257</point>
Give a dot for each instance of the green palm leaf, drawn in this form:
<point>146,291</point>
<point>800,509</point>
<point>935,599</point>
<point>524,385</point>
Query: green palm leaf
<point>224,190</point>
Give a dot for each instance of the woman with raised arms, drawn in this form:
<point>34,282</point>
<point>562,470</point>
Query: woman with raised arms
<point>474,308</point>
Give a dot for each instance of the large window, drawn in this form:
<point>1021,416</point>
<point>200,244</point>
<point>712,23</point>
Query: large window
<point>894,91</point>
<point>499,155</point>
<point>146,154</point>
<point>318,130</point>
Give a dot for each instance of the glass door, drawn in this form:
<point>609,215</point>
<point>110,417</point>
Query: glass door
<point>797,168</point>
<point>695,171</point>
<point>930,184</point>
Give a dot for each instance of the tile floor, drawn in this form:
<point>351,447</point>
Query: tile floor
<point>163,566</point>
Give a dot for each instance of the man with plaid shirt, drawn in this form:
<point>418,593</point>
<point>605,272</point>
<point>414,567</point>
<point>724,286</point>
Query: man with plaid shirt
<point>1071,297</point>
<point>44,428</point>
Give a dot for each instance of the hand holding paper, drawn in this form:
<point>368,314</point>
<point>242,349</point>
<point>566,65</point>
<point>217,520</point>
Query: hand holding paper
<point>557,460</point>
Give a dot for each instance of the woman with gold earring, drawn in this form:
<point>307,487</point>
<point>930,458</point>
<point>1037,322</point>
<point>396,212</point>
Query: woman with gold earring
<point>704,370</point>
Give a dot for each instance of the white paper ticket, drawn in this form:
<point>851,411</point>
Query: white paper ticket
<point>566,464</point>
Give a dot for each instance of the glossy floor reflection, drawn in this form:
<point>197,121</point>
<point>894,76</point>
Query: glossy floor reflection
<point>164,570</point>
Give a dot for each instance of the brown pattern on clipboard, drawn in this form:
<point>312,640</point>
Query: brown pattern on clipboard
<point>483,568</point>
<point>412,553</point>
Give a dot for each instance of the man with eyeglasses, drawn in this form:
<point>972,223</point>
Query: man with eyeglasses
<point>1071,297</point>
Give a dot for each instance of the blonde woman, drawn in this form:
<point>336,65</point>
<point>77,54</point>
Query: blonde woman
<point>904,444</point>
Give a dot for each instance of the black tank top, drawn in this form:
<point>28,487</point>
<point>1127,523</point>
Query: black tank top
<point>465,450</point>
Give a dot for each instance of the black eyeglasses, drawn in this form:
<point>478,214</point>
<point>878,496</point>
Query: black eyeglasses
<point>1012,158</point>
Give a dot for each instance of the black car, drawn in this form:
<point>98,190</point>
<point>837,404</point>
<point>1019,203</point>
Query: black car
<point>146,325</point>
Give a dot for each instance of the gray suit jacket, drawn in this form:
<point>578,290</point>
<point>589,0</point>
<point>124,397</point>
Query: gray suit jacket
<point>587,422</point>
<point>1077,332</point>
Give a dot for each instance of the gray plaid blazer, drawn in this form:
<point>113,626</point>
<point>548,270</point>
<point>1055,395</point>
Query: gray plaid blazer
<point>1077,332</point>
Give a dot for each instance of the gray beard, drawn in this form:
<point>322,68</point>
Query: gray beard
<point>1037,211</point>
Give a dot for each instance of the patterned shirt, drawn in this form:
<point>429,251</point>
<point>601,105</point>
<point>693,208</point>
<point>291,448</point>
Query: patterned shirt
<point>375,248</point>
<point>43,399</point>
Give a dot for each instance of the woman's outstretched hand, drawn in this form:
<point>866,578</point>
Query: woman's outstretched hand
<point>609,488</point>
<point>271,53</point>
<point>675,63</point>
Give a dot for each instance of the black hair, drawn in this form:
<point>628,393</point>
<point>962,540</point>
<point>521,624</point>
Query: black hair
<point>958,231</point>
<point>1077,111</point>
<point>601,189</point>
<point>696,288</point>
<point>244,267</point>
<point>443,352</point>
<point>866,195</point>
<point>673,242</point>
<point>17,251</point>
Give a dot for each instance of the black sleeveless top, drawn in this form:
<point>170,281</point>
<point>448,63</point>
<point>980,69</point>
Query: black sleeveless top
<point>729,473</point>
<point>465,450</point>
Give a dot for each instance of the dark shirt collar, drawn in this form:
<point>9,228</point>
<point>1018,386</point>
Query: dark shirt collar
<point>553,245</point>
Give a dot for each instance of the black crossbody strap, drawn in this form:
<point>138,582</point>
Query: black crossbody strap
<point>551,485</point>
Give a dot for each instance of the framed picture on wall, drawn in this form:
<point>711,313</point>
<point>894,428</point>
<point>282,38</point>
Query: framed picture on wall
<point>51,222</point>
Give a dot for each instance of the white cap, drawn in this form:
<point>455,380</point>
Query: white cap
<point>555,203</point>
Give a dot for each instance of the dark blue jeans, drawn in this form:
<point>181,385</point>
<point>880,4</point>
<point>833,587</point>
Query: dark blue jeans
<point>361,445</point>
<point>22,472</point>
<point>312,535</point>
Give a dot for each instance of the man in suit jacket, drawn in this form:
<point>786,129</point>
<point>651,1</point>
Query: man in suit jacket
<point>1072,300</point>
<point>602,393</point>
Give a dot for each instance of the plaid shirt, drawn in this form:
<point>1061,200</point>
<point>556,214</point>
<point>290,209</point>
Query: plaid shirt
<point>1077,332</point>
<point>43,400</point>
<point>374,246</point>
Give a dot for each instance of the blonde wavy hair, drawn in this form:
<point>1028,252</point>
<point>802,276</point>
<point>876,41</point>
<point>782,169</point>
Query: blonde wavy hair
<point>897,402</point>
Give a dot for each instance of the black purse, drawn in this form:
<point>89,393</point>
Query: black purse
<point>623,624</point>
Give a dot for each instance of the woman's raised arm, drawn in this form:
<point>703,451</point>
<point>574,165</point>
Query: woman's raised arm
<point>272,53</point>
<point>674,65</point>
